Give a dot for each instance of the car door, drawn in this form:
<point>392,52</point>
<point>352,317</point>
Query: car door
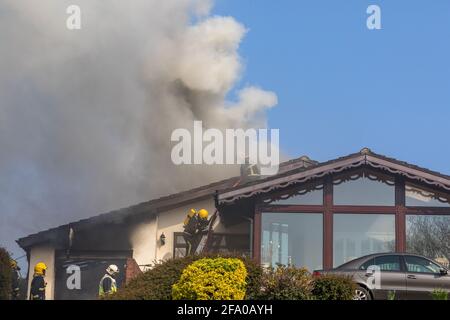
<point>422,277</point>
<point>391,278</point>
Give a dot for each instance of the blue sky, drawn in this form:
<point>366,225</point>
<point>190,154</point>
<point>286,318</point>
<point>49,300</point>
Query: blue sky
<point>341,86</point>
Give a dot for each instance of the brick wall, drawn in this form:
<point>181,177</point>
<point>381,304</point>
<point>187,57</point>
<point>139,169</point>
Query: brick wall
<point>132,270</point>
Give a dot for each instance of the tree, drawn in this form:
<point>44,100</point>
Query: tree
<point>5,274</point>
<point>429,236</point>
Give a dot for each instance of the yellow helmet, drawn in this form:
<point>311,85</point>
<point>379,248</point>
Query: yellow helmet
<point>191,213</point>
<point>40,268</point>
<point>13,263</point>
<point>203,213</point>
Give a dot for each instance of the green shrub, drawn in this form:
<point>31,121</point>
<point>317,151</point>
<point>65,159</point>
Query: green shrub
<point>391,295</point>
<point>286,283</point>
<point>212,279</point>
<point>5,274</point>
<point>333,287</point>
<point>254,272</point>
<point>254,278</point>
<point>439,294</point>
<point>156,283</point>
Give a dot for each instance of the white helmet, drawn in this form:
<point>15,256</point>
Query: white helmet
<point>112,269</point>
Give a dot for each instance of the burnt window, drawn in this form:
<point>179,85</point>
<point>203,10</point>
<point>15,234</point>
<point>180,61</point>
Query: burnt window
<point>219,243</point>
<point>230,243</point>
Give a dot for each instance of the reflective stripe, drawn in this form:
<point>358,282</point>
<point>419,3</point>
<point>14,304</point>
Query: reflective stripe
<point>101,292</point>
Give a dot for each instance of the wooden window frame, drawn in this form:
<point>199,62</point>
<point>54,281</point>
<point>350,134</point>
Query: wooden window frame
<point>328,209</point>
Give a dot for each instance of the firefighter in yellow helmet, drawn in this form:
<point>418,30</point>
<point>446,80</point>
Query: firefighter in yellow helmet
<point>189,216</point>
<point>195,224</point>
<point>15,280</point>
<point>108,283</point>
<point>38,284</point>
<point>203,213</point>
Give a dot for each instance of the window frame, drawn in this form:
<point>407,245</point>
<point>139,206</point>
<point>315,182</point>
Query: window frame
<point>178,245</point>
<point>328,209</point>
<point>300,213</point>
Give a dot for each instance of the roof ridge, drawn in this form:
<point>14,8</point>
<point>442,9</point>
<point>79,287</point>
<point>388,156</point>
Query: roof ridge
<point>228,184</point>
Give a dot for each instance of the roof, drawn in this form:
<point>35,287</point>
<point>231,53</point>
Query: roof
<point>153,206</point>
<point>229,190</point>
<point>318,170</point>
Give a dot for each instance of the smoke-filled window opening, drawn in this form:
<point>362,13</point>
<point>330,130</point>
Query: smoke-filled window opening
<point>225,243</point>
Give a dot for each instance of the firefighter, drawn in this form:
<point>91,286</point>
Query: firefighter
<point>203,215</point>
<point>190,222</point>
<point>195,224</point>
<point>108,283</point>
<point>38,284</point>
<point>15,280</point>
<point>196,221</point>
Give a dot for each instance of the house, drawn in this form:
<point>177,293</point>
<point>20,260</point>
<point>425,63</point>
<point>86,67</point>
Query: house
<point>317,215</point>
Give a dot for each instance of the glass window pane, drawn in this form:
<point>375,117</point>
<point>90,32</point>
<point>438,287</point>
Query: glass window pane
<point>421,265</point>
<point>365,190</point>
<point>179,239</point>
<point>292,239</point>
<point>356,235</point>
<point>429,236</point>
<point>420,197</point>
<point>388,263</point>
<point>367,264</point>
<point>313,197</point>
<point>385,263</point>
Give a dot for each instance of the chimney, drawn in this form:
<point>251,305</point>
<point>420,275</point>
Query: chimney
<point>249,172</point>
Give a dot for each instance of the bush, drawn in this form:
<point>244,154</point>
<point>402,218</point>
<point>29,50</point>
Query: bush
<point>439,294</point>
<point>156,283</point>
<point>286,283</point>
<point>333,287</point>
<point>254,278</point>
<point>254,272</point>
<point>212,279</point>
<point>391,295</point>
<point>5,275</point>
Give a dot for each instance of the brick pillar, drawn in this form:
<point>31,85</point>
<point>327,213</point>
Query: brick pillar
<point>132,270</point>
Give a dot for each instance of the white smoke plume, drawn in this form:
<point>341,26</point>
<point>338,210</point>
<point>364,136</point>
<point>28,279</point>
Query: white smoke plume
<point>86,115</point>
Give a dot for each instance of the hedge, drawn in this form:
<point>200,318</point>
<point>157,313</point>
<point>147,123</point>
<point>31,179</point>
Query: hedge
<point>281,283</point>
<point>212,279</point>
<point>5,274</point>
<point>286,283</point>
<point>333,287</point>
<point>156,283</point>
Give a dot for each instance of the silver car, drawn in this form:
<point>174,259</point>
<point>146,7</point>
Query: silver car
<point>394,276</point>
